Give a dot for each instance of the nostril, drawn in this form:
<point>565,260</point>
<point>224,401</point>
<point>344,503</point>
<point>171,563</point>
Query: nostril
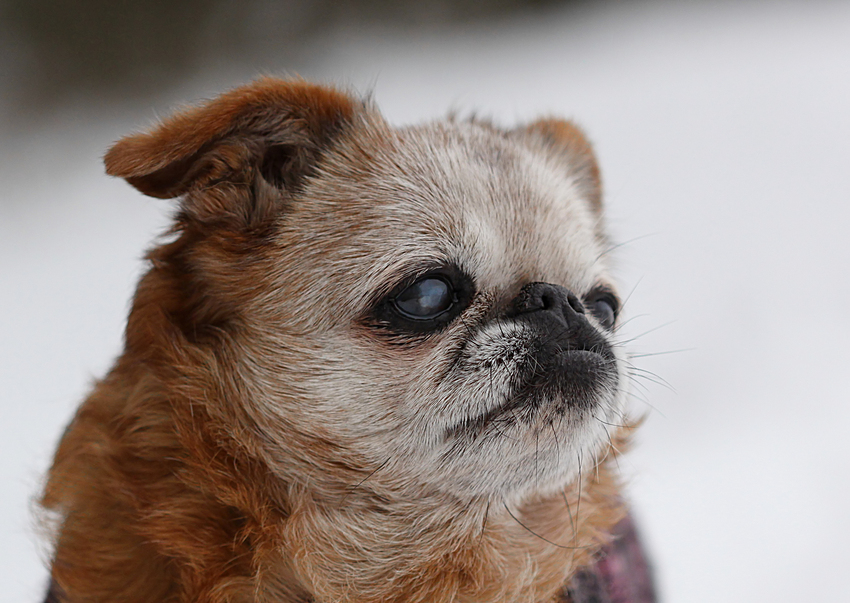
<point>575,303</point>
<point>547,300</point>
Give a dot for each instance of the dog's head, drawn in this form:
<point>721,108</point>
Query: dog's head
<point>427,306</point>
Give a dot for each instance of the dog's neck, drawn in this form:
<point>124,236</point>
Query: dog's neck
<point>436,550</point>
<point>167,505</point>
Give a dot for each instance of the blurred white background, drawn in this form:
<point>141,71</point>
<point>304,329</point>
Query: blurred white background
<point>723,132</point>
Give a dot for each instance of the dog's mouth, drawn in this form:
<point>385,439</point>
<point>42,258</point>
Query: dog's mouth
<point>554,380</point>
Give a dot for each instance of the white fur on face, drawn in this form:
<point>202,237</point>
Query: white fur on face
<point>384,206</point>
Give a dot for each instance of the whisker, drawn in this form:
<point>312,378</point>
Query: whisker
<point>530,531</point>
<point>362,481</point>
<point>647,354</point>
<point>536,456</point>
<point>578,506</point>
<point>636,337</point>
<point>620,325</point>
<point>555,436</point>
<point>629,296</point>
<point>611,447</point>
<point>570,513</point>
<point>484,522</point>
<point>642,397</point>
<point>466,326</point>
<point>641,373</point>
<point>608,424</point>
<point>623,244</point>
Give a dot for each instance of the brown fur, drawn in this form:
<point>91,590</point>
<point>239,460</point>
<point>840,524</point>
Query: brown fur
<point>167,486</point>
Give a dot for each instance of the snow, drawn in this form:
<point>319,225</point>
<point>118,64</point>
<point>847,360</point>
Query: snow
<point>723,132</point>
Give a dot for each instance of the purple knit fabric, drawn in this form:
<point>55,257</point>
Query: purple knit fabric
<point>621,574</point>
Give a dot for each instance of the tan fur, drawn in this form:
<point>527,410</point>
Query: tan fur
<point>209,466</point>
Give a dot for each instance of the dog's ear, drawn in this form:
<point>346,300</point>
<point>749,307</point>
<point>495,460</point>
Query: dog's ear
<point>569,142</point>
<point>260,139</point>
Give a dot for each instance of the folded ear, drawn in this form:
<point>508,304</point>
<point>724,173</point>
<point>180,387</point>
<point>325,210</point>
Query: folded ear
<point>569,143</point>
<point>270,130</point>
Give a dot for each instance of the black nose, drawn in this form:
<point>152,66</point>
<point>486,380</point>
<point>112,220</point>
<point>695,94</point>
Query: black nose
<point>558,317</point>
<point>545,297</point>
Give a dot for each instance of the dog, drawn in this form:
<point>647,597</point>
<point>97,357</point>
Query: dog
<point>367,364</point>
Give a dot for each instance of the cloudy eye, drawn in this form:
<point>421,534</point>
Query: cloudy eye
<point>425,299</point>
<point>422,304</point>
<point>604,306</point>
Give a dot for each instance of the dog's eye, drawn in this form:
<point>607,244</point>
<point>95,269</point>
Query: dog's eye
<point>423,304</point>
<point>425,299</point>
<point>604,306</point>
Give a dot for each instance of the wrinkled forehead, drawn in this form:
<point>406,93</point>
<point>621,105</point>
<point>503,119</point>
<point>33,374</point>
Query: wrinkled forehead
<point>512,213</point>
<point>454,193</point>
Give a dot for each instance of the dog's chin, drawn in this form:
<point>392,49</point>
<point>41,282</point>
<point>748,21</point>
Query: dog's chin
<point>552,426</point>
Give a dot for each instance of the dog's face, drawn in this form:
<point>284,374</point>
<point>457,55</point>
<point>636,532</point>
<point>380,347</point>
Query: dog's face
<point>443,292</point>
<point>428,307</point>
